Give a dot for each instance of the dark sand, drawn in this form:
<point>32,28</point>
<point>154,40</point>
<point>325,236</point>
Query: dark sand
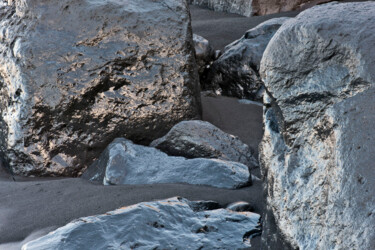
<point>31,207</point>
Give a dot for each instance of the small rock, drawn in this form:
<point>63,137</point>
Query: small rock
<point>126,163</point>
<point>203,51</point>
<point>240,206</point>
<point>195,139</point>
<point>164,224</point>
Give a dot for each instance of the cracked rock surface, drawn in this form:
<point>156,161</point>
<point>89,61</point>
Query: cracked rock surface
<point>317,154</point>
<point>236,72</point>
<point>241,7</point>
<point>200,139</point>
<point>174,223</point>
<point>74,75</point>
<point>126,163</point>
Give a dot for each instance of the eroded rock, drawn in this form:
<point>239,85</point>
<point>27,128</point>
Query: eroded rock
<point>200,139</point>
<point>236,72</point>
<point>74,75</point>
<point>126,163</point>
<point>165,224</point>
<point>317,153</point>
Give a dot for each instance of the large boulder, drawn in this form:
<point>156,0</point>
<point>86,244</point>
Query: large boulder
<point>236,72</point>
<point>126,163</point>
<point>74,75</point>
<point>317,154</point>
<point>200,139</point>
<point>174,223</point>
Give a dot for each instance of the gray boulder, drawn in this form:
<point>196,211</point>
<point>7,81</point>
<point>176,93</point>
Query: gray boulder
<point>74,75</point>
<point>200,139</point>
<point>241,7</point>
<point>126,163</point>
<point>236,72</point>
<point>317,154</point>
<point>174,223</point>
<point>203,51</point>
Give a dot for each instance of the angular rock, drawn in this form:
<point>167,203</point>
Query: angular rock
<point>126,163</point>
<point>236,72</point>
<point>203,51</point>
<point>74,75</point>
<point>164,224</point>
<point>317,154</point>
<point>241,7</point>
<point>200,139</point>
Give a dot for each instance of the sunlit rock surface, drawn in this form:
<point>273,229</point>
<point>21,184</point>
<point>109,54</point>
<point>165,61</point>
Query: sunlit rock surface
<point>200,139</point>
<point>74,75</point>
<point>317,154</point>
<point>126,163</point>
<point>175,223</point>
<point>236,72</point>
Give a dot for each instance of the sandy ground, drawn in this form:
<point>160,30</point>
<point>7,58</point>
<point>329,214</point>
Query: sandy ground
<point>31,207</point>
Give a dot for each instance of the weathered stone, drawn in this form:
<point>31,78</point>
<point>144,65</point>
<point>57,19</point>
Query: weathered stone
<point>200,139</point>
<point>203,51</point>
<point>167,224</point>
<point>126,163</point>
<point>236,72</point>
<point>241,7</point>
<point>318,148</point>
<point>74,75</point>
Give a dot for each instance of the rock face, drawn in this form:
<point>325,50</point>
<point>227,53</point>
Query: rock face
<point>74,75</point>
<point>174,223</point>
<point>203,51</point>
<point>200,139</point>
<point>241,7</point>
<point>236,72</point>
<point>255,7</point>
<point>317,154</point>
<point>126,163</point>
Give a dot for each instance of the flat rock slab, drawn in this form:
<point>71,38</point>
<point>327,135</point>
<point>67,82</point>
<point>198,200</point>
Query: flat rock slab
<point>318,153</point>
<point>200,139</point>
<point>174,223</point>
<point>126,163</point>
<point>74,75</point>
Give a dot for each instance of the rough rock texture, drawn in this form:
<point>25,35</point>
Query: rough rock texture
<point>203,51</point>
<point>126,163</point>
<point>74,75</point>
<point>175,223</point>
<point>236,72</point>
<point>200,139</point>
<point>241,7</point>
<point>317,154</point>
